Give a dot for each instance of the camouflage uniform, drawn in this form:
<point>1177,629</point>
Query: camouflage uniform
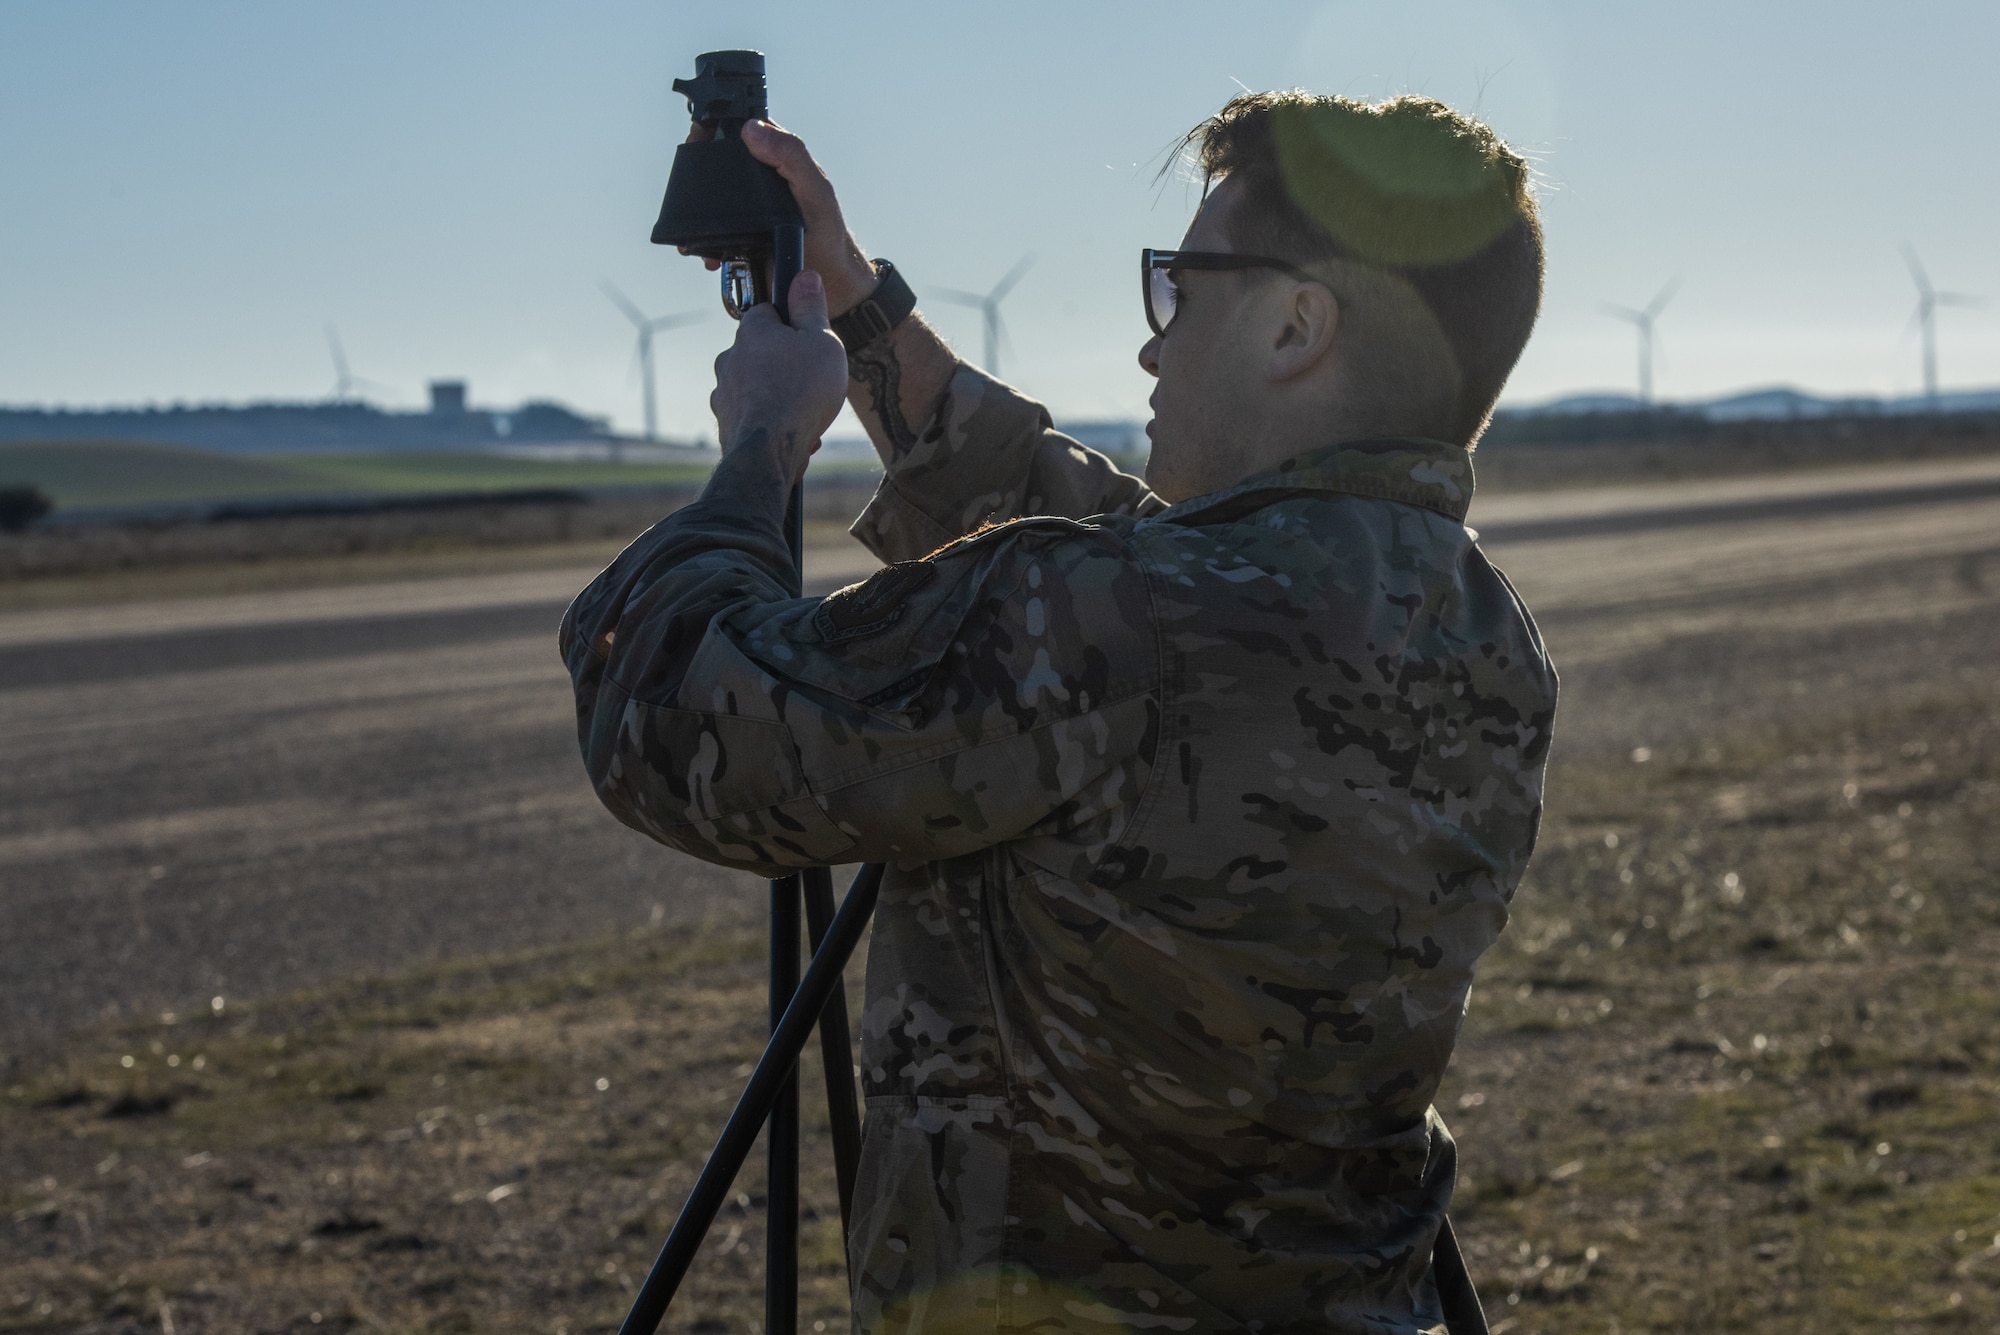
<point>1197,819</point>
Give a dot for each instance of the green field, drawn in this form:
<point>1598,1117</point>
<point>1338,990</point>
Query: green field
<point>86,474</point>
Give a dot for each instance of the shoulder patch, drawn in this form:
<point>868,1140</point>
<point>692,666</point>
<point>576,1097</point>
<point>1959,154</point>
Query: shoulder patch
<point>873,605</point>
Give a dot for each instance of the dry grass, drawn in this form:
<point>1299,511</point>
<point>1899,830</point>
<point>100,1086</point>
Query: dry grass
<point>492,1147</point>
<point>1733,1067</point>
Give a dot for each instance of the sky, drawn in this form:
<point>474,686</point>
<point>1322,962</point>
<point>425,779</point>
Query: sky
<point>192,191</point>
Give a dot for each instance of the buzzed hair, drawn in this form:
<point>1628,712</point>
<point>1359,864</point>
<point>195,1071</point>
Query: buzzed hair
<point>1425,223</point>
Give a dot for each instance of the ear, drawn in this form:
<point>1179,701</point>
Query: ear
<point>1308,323</point>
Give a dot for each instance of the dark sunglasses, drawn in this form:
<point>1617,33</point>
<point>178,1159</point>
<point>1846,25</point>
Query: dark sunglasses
<point>1163,295</point>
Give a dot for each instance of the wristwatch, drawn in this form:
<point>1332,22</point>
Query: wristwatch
<point>886,307</point>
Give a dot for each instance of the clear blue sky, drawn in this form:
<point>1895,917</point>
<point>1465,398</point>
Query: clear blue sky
<point>191,191</point>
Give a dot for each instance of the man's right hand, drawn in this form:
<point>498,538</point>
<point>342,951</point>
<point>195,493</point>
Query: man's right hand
<point>831,249</point>
<point>897,381</point>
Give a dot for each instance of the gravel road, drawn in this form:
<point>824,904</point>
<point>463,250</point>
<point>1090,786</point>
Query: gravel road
<point>238,796</point>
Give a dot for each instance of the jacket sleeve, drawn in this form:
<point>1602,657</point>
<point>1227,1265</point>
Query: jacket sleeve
<point>1002,688</point>
<point>988,456</point>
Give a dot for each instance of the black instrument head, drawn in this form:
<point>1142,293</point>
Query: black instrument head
<point>726,90</point>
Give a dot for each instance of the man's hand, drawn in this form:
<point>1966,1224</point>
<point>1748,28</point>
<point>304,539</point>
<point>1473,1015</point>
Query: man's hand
<point>830,248</point>
<point>783,383</point>
<point>898,381</point>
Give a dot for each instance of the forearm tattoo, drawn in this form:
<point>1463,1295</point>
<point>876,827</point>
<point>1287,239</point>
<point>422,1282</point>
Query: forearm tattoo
<point>877,367</point>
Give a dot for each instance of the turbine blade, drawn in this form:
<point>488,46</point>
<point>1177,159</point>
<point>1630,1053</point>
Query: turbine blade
<point>1666,294</point>
<point>1917,274</point>
<point>1006,285</point>
<point>676,321</point>
<point>622,302</point>
<point>952,294</point>
<point>1957,299</point>
<point>1625,313</point>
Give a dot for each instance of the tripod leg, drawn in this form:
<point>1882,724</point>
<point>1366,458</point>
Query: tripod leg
<point>1462,1312</point>
<point>836,1052</point>
<point>781,1220</point>
<point>739,1134</point>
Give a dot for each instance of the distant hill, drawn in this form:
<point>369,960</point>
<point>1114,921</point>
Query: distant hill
<point>313,428</point>
<point>1776,403</point>
<point>1603,419</point>
<point>553,433</point>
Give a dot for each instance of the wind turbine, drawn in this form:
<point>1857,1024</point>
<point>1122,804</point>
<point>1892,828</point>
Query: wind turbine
<point>1643,319</point>
<point>989,306</point>
<point>1928,300</point>
<point>647,327</point>
<point>344,381</point>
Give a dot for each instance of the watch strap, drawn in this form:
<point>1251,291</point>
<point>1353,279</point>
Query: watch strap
<point>886,307</point>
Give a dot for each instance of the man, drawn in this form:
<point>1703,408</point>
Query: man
<point>1200,796</point>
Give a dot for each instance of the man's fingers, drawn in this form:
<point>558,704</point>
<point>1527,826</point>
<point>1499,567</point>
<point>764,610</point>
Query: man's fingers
<point>808,298</point>
<point>754,319</point>
<point>776,147</point>
<point>787,153</point>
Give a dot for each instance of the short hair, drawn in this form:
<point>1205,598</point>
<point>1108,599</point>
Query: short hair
<point>1407,204</point>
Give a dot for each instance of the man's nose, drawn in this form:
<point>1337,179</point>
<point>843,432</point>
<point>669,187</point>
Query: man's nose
<point>1149,356</point>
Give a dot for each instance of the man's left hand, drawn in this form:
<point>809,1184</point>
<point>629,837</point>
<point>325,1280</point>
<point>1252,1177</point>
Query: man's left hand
<point>784,381</point>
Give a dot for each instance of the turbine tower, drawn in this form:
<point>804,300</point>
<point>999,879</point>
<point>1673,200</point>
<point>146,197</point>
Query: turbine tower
<point>344,381</point>
<point>1643,320</point>
<point>989,306</point>
<point>647,327</point>
<point>1928,300</point>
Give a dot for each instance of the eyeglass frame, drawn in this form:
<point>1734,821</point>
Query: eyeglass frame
<point>1201,261</point>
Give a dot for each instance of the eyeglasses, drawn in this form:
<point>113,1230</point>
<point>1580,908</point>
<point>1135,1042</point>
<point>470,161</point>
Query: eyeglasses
<point>1163,294</point>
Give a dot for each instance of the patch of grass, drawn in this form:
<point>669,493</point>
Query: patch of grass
<point>84,474</point>
<point>415,471</point>
<point>1732,1067</point>
<point>493,1145</point>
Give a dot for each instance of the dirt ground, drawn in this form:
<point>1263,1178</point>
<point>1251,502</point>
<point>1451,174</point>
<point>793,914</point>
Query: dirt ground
<point>1732,1067</point>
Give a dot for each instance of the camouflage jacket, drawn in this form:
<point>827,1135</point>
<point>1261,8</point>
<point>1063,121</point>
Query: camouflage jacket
<point>1197,819</point>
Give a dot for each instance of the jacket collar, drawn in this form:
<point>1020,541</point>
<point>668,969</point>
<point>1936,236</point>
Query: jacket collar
<point>1410,469</point>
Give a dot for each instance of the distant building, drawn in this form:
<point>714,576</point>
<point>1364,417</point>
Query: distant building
<point>447,398</point>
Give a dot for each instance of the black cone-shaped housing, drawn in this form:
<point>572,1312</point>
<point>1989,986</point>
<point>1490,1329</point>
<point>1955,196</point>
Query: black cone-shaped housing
<point>721,202</point>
